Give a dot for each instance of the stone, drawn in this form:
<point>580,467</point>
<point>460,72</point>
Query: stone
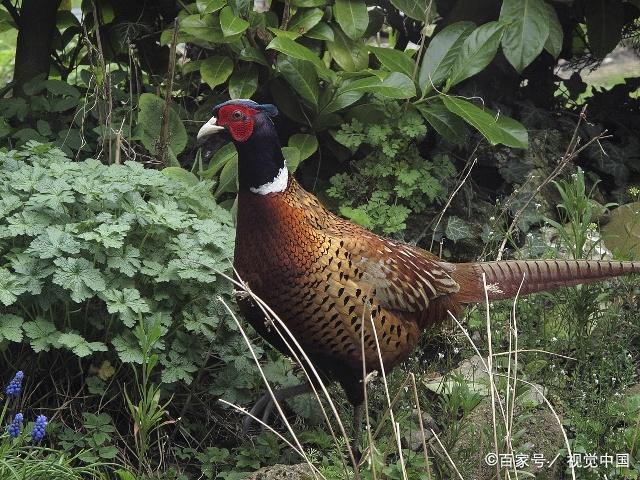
<point>300,471</point>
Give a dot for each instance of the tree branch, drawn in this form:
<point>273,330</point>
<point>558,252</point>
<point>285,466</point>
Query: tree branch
<point>13,11</point>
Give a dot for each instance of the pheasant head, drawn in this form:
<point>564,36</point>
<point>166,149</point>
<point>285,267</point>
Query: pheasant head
<point>261,166</point>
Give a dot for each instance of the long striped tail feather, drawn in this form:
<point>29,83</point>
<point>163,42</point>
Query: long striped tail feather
<point>503,278</point>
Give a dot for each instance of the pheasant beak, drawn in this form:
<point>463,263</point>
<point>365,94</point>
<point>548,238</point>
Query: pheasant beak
<point>208,129</point>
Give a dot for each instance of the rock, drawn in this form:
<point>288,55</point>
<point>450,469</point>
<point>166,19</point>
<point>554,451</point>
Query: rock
<point>470,371</point>
<point>542,435</point>
<point>301,471</point>
<point>534,396</point>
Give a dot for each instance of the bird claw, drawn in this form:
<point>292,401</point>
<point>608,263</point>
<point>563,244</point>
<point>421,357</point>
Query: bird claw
<point>242,294</point>
<point>263,408</point>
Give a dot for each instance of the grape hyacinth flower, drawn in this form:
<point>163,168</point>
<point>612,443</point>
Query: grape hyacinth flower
<point>15,385</point>
<point>38,429</point>
<point>15,427</point>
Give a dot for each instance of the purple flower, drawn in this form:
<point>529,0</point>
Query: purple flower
<point>38,429</point>
<point>15,385</point>
<point>15,427</point>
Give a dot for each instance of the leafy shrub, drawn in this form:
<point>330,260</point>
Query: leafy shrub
<point>391,178</point>
<point>89,251</point>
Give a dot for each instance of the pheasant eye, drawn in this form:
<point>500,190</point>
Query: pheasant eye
<point>236,115</point>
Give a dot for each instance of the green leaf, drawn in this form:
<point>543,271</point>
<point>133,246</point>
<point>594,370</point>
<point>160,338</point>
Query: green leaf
<point>216,70</point>
<point>149,122</point>
<point>527,30</point>
<point>228,177</point>
<point>441,54</point>
<point>206,28</point>
<point>79,276</point>
<point>243,82</point>
<point>79,345</point>
<point>126,302</point>
<point>308,3</point>
<point>342,99</point>
<point>181,175</point>
<point>306,144</point>
<point>53,242</point>
<point>394,60</point>
<point>477,51</point>
<point>322,31</point>
<point>349,55</point>
<point>127,350</point>
<point>11,328</point>
<point>605,19</point>
<point>292,158</point>
<point>42,334</point>
<point>209,6</point>
<point>395,85</point>
<point>291,35</point>
<point>457,229</point>
<point>10,287</point>
<point>413,8</point>
<point>504,130</point>
<point>305,20</point>
<point>231,24</point>
<point>301,75</point>
<point>553,44</point>
<point>294,49</point>
<point>447,124</point>
<point>225,154</point>
<point>352,16</point>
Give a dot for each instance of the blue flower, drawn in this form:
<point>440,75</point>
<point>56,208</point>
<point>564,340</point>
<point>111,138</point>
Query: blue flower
<point>38,430</point>
<point>15,427</point>
<point>15,385</point>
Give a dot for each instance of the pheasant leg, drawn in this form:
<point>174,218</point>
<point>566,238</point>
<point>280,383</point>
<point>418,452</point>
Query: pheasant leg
<point>357,431</point>
<point>263,408</point>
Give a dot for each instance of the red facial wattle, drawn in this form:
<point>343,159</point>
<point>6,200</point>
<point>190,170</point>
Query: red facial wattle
<point>239,120</point>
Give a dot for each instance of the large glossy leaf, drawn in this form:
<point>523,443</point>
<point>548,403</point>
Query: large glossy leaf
<point>412,8</point>
<point>441,54</point>
<point>495,128</point>
<point>605,19</point>
<point>306,144</point>
<point>322,31</point>
<point>553,45</point>
<point>243,83</point>
<point>294,49</point>
<point>477,51</point>
<point>394,60</point>
<point>181,175</point>
<point>305,20</point>
<point>150,124</point>
<point>527,30</point>
<point>210,6</point>
<point>447,124</point>
<point>231,24</point>
<point>292,158</point>
<point>351,56</point>
<point>342,99</point>
<point>228,181</point>
<point>225,154</point>
<point>352,16</point>
<point>301,75</point>
<point>395,85</point>
<point>216,70</point>
<point>205,27</point>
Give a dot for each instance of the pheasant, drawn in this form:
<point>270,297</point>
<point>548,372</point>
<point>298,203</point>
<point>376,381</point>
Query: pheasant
<point>330,280</point>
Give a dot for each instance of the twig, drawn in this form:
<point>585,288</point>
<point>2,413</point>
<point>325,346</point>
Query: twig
<point>163,141</point>
<point>13,11</point>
